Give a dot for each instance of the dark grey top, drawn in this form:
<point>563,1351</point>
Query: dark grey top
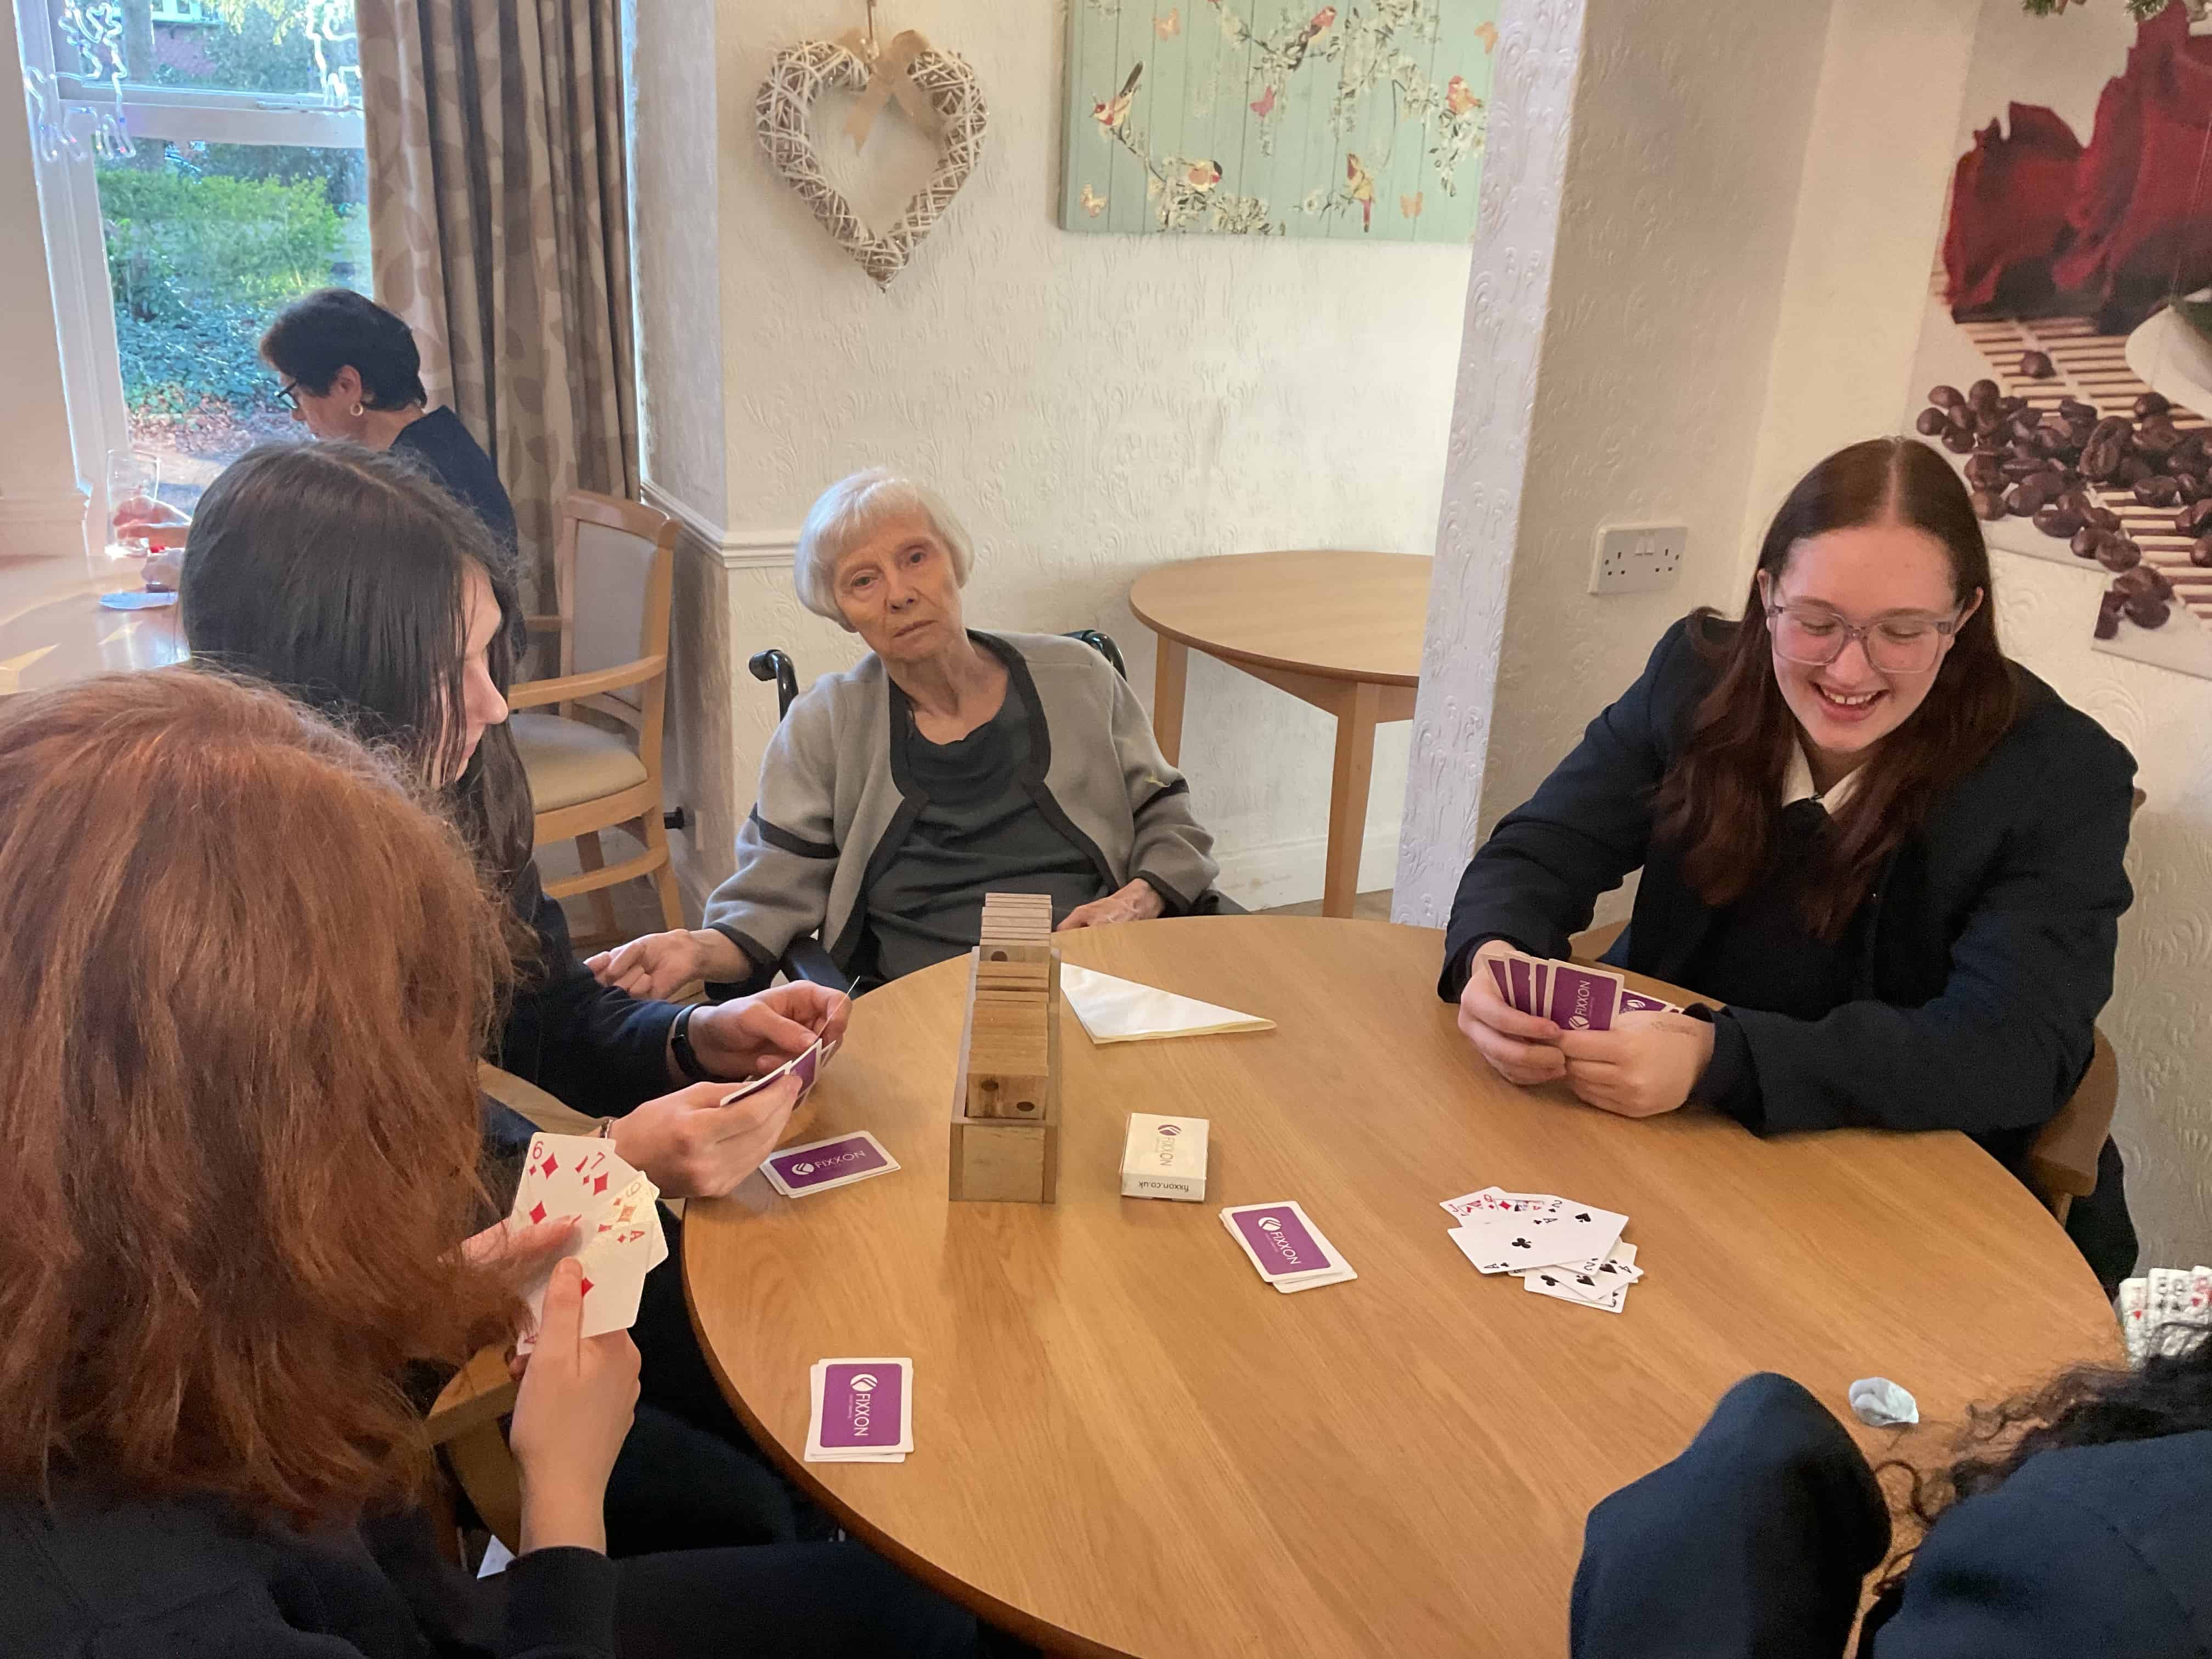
<point>978,831</point>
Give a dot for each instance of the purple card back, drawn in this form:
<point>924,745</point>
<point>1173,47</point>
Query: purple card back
<point>832,1161</point>
<point>861,1405</point>
<point>1281,1240</point>
<point>1520,996</point>
<point>1498,973</point>
<point>1581,1001</point>
<point>1635,1002</point>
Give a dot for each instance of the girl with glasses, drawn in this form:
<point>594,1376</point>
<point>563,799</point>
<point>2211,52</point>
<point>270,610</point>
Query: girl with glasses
<point>1892,854</point>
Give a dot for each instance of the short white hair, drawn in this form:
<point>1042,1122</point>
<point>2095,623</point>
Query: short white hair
<point>849,511</point>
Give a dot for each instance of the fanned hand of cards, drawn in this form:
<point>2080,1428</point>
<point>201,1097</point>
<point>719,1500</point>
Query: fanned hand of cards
<point>618,1240</point>
<point>1573,997</point>
<point>1557,1248</point>
<point>2165,1311</point>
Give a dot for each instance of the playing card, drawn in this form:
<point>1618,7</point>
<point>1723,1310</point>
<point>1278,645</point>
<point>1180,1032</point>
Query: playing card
<point>806,1067</point>
<point>1505,979</point>
<point>1284,1246</point>
<point>1617,1272</point>
<point>1582,998</point>
<point>862,1411</point>
<point>1635,1002</point>
<point>821,1165</point>
<point>1498,1201</point>
<point>1546,1281</point>
<point>2135,1321</point>
<point>618,1240</point>
<point>569,1174</point>
<point>1519,991</point>
<point>1499,1241</point>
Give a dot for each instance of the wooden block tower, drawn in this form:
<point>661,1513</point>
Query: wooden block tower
<point>1005,1098</point>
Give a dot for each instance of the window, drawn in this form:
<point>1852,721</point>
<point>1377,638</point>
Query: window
<point>201,167</point>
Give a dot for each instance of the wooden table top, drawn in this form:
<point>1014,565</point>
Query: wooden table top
<point>68,635</point>
<point>1344,616</point>
<point>1127,1443</point>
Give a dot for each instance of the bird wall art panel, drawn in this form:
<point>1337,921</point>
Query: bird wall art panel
<point>1362,120</point>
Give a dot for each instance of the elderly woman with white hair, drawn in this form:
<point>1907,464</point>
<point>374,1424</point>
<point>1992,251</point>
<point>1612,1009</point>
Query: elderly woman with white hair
<point>946,764</point>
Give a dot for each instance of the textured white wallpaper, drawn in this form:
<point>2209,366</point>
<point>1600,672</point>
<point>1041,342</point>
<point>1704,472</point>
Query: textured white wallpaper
<point>1092,406</point>
<point>1676,188</point>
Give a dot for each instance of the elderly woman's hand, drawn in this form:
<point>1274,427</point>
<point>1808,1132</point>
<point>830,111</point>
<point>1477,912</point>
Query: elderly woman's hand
<point>660,964</point>
<point>1139,901</point>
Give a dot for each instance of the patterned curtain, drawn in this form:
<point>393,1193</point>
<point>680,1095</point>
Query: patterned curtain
<point>501,232</point>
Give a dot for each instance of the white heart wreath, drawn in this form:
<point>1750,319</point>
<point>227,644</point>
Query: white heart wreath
<point>799,76</point>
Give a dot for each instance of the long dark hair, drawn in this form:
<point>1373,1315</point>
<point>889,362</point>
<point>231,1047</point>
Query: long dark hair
<point>342,575</point>
<point>2090,1406</point>
<point>1720,802</point>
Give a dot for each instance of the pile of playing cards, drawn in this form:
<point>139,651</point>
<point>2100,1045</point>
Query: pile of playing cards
<point>2176,1297</point>
<point>1573,997</point>
<point>1557,1248</point>
<point>863,1410</point>
<point>1285,1248</point>
<point>618,1238</point>
<point>821,1165</point>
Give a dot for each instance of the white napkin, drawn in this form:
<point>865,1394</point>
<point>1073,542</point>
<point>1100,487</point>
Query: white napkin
<point>1121,1011</point>
<point>1880,1404</point>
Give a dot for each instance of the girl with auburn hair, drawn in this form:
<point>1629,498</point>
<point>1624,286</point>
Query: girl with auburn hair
<point>239,1133</point>
<point>1891,852</point>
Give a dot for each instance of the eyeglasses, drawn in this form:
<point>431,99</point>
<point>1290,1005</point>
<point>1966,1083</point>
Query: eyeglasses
<point>1902,643</point>
<point>285,392</point>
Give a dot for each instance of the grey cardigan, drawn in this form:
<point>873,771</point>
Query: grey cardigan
<point>836,797</point>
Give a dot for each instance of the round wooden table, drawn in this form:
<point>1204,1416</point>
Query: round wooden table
<point>1126,1443</point>
<point>69,635</point>
<point>1341,631</point>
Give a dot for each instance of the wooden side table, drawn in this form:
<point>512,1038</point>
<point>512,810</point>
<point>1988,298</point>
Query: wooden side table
<point>1341,631</point>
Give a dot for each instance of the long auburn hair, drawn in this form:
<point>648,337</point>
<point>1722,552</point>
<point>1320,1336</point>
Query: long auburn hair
<point>1720,802</point>
<point>341,575</point>
<point>238,1100</point>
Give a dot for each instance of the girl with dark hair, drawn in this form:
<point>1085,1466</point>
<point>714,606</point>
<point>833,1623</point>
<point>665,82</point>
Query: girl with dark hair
<point>2075,1522</point>
<point>351,373</point>
<point>208,1446</point>
<point>348,579</point>
<point>1891,852</point>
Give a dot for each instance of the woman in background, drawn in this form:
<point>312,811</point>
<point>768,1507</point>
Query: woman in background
<point>1892,853</point>
<point>237,1130</point>
<point>351,373</point>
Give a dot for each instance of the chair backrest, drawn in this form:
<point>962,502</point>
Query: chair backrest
<point>604,567</point>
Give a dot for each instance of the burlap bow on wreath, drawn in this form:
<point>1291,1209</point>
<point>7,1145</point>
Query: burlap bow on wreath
<point>934,87</point>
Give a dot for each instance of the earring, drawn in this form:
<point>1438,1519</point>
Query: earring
<point>356,412</point>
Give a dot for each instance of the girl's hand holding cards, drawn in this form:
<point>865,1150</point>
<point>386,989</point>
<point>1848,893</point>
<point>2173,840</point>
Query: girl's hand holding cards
<point>572,1412</point>
<point>1647,1064</point>
<point>1519,1045</point>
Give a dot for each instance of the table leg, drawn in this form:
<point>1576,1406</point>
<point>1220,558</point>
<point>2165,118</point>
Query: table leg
<point>1347,798</point>
<point>1171,673</point>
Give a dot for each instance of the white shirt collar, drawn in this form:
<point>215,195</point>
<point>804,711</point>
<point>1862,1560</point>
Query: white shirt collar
<point>1797,783</point>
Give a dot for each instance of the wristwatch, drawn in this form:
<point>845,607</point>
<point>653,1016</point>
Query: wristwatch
<point>679,1045</point>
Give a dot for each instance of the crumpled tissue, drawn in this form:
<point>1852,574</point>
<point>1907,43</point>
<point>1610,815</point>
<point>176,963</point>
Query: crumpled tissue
<point>1880,1404</point>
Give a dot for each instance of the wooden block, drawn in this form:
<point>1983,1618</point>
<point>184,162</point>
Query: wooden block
<point>1009,1095</point>
<point>999,975</point>
<point>1003,1163</point>
<point>996,951</point>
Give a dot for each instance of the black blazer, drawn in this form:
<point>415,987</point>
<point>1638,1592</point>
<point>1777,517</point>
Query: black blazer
<point>1992,930</point>
<point>591,1047</point>
<point>1754,1544</point>
<point>151,1580</point>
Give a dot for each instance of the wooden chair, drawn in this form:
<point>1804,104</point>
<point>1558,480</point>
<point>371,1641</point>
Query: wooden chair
<point>594,760</point>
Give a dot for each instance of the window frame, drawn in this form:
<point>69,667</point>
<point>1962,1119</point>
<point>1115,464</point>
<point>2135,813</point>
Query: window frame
<point>69,211</point>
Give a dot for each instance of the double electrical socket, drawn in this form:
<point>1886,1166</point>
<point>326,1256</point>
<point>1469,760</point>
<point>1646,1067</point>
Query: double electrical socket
<point>1637,558</point>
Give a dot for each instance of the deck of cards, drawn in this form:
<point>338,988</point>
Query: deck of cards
<point>863,1410</point>
<point>1557,1248</point>
<point>1285,1249</point>
<point>819,1165</point>
<point>2180,1297</point>
<point>1573,997</point>
<point>618,1239</point>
